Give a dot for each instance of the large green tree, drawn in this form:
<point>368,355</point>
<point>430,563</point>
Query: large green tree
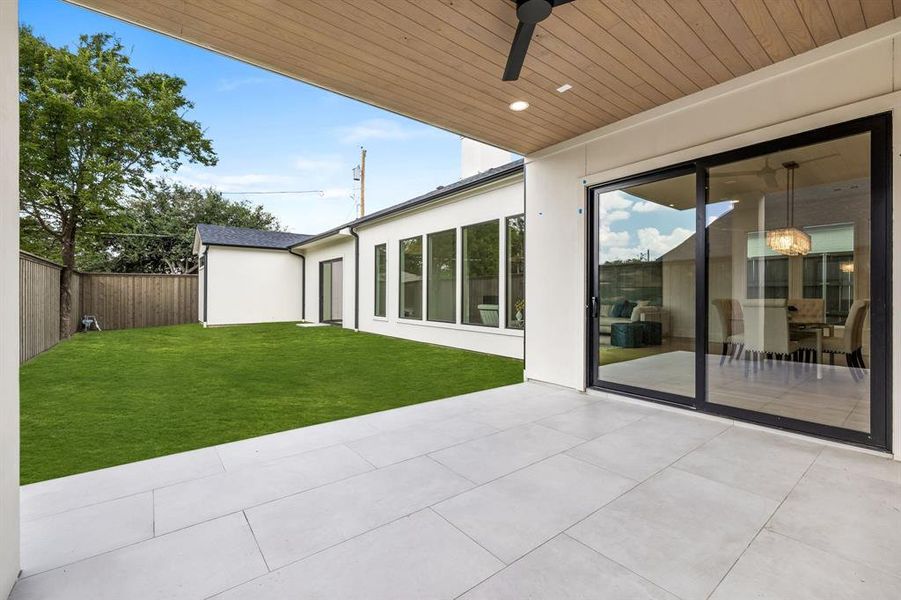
<point>92,130</point>
<point>159,233</point>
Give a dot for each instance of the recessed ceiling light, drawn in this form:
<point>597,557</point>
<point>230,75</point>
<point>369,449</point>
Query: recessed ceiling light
<point>564,88</point>
<point>519,105</point>
<point>672,204</point>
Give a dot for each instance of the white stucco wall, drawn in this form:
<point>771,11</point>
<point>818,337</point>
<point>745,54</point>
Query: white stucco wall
<point>853,77</point>
<point>249,285</point>
<point>342,247</point>
<point>493,201</point>
<point>9,298</point>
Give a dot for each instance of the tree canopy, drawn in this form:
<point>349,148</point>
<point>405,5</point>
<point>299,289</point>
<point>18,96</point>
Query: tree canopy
<point>158,235</point>
<point>92,131</point>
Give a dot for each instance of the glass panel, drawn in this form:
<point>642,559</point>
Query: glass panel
<point>325,294</point>
<point>442,299</point>
<point>337,291</point>
<point>516,272</point>
<point>789,264</point>
<point>331,282</point>
<point>381,276</point>
<point>646,285</point>
<point>411,278</point>
<point>481,273</point>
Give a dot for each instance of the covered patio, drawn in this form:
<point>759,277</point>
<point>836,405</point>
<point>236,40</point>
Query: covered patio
<point>526,491</point>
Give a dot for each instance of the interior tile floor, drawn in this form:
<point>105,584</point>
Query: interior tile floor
<point>787,389</point>
<point>527,491</point>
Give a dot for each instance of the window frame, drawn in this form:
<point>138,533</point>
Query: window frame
<point>383,289</point>
<point>427,265</point>
<point>400,278</point>
<point>498,222</point>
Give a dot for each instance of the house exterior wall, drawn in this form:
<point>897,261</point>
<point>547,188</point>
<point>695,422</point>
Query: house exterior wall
<point>343,248</point>
<point>493,201</point>
<point>850,78</point>
<point>9,298</point>
<point>249,285</point>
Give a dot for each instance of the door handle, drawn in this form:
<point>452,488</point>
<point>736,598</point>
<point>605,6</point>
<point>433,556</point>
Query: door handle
<point>594,307</point>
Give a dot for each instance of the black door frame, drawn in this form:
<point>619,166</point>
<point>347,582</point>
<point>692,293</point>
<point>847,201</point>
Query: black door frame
<point>879,128</point>
<point>322,264</point>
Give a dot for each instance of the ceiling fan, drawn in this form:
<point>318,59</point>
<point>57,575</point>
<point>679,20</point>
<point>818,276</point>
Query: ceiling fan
<point>529,13</point>
<point>768,172</point>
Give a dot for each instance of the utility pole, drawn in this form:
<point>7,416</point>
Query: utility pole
<point>362,181</point>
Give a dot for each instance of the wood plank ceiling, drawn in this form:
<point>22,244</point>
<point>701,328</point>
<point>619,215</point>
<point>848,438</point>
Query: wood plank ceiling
<point>440,61</point>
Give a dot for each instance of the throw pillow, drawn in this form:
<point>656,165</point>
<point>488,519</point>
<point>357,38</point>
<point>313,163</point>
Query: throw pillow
<point>605,310</point>
<point>617,310</point>
<point>644,303</point>
<point>628,307</point>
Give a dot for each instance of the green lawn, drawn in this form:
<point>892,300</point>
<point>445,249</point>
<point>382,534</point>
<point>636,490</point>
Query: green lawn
<point>103,399</point>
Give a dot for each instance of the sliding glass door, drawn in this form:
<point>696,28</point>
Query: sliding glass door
<point>752,284</point>
<point>331,291</point>
<point>644,312</point>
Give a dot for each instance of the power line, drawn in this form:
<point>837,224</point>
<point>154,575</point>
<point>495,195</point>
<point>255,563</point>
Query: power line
<point>320,192</point>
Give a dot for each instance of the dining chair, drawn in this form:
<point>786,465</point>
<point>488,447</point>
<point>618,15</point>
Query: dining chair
<point>731,322</point>
<point>766,333</point>
<point>850,344</point>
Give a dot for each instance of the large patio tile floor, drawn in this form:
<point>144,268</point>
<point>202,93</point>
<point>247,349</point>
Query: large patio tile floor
<point>527,491</point>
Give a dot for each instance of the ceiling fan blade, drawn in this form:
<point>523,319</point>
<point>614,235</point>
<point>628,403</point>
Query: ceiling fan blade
<point>734,174</point>
<point>518,51</point>
<point>825,156</point>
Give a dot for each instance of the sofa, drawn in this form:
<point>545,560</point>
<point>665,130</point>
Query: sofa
<point>641,312</point>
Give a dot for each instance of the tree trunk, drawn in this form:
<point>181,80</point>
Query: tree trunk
<point>65,286</point>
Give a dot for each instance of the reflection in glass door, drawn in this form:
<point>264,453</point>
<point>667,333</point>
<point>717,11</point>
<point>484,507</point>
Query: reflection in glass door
<point>644,306</point>
<point>790,251</point>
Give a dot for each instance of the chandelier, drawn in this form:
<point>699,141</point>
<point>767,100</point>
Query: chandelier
<point>789,241</point>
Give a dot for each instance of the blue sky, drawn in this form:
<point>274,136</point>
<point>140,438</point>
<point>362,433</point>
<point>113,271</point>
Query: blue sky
<point>274,133</point>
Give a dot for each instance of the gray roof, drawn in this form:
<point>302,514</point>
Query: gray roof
<point>220,235</point>
<point>436,194</point>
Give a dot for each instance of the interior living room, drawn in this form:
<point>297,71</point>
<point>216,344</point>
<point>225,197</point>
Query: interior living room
<point>786,253</point>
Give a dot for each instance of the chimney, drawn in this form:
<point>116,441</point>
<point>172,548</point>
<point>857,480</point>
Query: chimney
<point>476,157</point>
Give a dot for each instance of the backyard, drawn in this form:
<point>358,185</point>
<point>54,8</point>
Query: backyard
<point>106,398</point>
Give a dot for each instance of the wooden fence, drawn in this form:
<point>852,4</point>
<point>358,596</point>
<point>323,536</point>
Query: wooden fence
<point>118,300</point>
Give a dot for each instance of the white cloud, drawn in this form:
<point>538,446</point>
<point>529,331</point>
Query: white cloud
<point>231,181</point>
<point>615,201</point>
<point>613,239</point>
<point>614,245</point>
<point>645,207</point>
<point>380,129</point>
<point>650,238</point>
<point>319,164</point>
<point>337,192</point>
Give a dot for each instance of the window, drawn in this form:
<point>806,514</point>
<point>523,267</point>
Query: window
<point>442,274</point>
<point>481,258</point>
<point>831,277</point>
<point>516,270</point>
<point>767,277</point>
<point>410,278</point>
<point>381,277</point>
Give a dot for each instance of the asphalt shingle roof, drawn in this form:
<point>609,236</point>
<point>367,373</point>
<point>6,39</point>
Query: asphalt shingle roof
<point>220,235</point>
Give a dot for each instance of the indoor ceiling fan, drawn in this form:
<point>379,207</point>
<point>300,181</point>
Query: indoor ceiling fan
<point>768,172</point>
<point>529,13</point>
